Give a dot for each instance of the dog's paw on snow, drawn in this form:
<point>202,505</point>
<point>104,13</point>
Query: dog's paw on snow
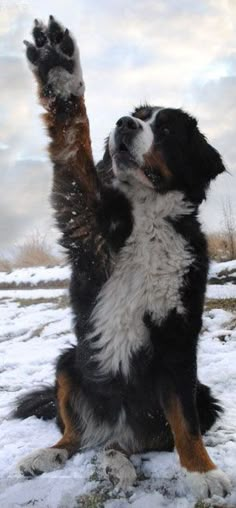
<point>119,469</point>
<point>42,461</point>
<point>204,485</point>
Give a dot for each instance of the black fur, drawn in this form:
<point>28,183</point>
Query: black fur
<point>191,159</point>
<point>208,407</point>
<point>41,403</point>
<point>114,215</point>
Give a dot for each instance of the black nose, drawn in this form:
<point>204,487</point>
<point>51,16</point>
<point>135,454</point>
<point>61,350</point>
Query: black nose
<point>127,123</point>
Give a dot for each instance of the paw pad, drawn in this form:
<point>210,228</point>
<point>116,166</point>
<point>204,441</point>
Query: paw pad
<point>54,59</point>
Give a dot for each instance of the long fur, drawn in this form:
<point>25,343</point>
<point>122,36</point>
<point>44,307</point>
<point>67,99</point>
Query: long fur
<point>42,403</point>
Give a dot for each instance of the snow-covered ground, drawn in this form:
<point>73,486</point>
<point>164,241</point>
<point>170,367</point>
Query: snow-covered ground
<point>35,327</point>
<point>35,275</point>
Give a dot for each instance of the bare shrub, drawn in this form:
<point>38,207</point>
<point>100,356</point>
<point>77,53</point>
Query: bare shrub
<point>219,246</point>
<point>222,244</point>
<point>230,227</point>
<point>35,251</point>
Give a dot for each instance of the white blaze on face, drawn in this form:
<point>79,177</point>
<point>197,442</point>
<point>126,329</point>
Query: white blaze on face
<point>141,143</point>
<point>144,140</point>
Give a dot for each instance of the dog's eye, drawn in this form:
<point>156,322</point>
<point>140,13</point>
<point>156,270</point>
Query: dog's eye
<point>165,131</point>
<point>162,129</point>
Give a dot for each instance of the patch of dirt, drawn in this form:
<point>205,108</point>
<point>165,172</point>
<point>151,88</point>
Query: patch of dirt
<point>51,284</point>
<point>93,500</point>
<point>221,303</point>
<point>61,302</point>
<point>207,504</point>
<point>224,277</point>
<point>223,280</point>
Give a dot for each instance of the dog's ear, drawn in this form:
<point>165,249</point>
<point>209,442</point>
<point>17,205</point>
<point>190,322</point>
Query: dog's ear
<point>206,160</point>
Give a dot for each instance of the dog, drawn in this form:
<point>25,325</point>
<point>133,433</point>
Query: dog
<point>139,270</point>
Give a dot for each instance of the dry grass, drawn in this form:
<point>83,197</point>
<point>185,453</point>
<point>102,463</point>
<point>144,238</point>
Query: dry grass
<point>61,302</point>
<point>221,303</point>
<point>35,252</point>
<point>219,246</point>
<point>5,265</point>
<point>51,284</point>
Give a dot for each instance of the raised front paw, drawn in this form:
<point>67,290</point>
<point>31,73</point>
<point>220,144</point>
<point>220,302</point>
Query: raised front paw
<point>54,59</point>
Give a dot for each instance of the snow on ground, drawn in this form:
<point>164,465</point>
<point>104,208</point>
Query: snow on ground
<point>35,327</point>
<point>33,294</point>
<point>35,275</point>
<point>217,291</point>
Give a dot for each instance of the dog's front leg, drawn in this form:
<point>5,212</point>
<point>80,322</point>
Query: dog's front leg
<point>55,62</point>
<point>178,399</point>
<point>45,460</point>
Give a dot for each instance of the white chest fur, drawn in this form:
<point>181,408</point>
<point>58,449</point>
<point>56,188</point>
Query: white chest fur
<point>147,276</point>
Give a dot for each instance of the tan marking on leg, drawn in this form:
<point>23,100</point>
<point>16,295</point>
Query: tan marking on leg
<point>71,145</point>
<point>76,184</point>
<point>71,439</point>
<point>71,152</point>
<point>192,452</point>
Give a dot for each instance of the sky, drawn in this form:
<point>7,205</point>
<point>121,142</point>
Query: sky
<point>173,53</point>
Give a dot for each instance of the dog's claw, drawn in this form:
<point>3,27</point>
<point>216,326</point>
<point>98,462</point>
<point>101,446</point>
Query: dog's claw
<point>31,52</point>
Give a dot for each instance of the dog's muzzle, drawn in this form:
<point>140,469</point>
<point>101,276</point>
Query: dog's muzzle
<point>125,132</point>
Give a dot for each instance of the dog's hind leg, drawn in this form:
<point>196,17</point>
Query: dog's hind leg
<point>49,459</point>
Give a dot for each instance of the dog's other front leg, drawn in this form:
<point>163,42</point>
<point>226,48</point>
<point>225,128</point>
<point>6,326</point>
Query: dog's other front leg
<point>45,460</point>
<point>178,399</point>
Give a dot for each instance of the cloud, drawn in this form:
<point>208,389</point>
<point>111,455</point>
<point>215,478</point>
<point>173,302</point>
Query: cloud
<point>25,205</point>
<point>215,104</point>
<point>176,53</point>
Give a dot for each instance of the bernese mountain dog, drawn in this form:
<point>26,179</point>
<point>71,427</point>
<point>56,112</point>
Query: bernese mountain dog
<point>139,270</point>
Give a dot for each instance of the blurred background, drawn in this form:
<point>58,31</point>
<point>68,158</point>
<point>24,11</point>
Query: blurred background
<point>176,53</point>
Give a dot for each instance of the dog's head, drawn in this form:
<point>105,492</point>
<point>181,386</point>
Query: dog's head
<point>163,149</point>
